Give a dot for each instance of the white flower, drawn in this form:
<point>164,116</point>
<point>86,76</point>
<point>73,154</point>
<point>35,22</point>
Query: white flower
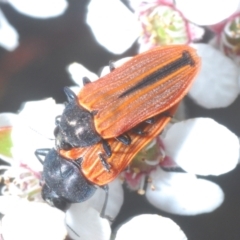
<point>183,193</point>
<point>31,220</point>
<point>163,24</point>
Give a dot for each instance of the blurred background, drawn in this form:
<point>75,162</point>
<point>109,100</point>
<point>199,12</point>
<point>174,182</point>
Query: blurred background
<point>37,70</point>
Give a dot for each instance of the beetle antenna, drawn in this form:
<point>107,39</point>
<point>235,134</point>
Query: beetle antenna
<point>42,135</point>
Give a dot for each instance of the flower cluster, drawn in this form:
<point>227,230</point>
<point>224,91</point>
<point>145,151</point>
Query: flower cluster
<point>167,170</point>
<point>202,136</point>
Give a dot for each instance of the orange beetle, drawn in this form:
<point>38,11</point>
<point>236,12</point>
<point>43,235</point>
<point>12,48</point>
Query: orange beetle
<point>92,166</point>
<point>148,84</point>
<point>71,176</point>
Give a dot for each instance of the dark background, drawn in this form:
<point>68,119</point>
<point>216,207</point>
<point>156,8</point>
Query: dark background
<point>37,69</point>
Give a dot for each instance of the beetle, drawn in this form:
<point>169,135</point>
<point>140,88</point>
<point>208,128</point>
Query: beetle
<point>72,176</point>
<point>147,85</point>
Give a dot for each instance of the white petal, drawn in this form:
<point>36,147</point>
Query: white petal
<point>183,193</point>
<point>34,130</point>
<point>40,9</point>
<point>207,12</point>
<point>85,223</point>
<point>78,71</point>
<point>8,34</point>
<point>7,203</point>
<point>202,146</point>
<point>40,115</point>
<point>216,85</point>
<point>113,25</point>
<point>33,220</point>
<point>150,226</point>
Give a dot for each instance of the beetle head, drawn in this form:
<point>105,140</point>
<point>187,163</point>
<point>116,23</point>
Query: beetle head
<point>63,182</point>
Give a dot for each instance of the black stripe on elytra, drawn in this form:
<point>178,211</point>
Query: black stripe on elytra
<point>161,73</point>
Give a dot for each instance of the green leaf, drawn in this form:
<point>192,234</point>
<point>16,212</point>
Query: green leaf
<point>5,141</point>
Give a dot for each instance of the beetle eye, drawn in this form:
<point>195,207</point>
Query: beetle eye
<point>66,146</point>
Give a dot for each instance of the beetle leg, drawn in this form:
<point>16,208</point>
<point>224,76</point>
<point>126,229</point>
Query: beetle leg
<point>71,96</point>
<point>167,114</point>
<point>138,131</point>
<point>106,148</point>
<point>124,138</point>
<point>41,152</point>
<point>85,80</point>
<point>78,162</point>
<point>150,120</point>
<point>104,162</point>
<point>111,66</point>
<point>57,120</point>
<point>102,214</point>
<point>94,112</point>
